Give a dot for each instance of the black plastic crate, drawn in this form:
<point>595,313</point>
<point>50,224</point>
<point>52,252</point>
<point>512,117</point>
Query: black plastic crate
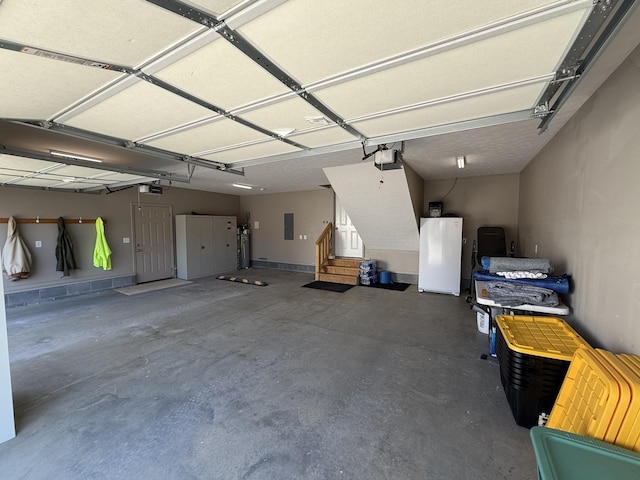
<point>531,383</point>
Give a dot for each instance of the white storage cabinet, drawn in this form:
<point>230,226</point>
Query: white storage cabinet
<point>205,245</point>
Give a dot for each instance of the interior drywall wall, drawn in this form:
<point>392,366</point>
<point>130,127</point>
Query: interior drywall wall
<point>378,203</point>
<point>312,210</point>
<point>416,191</point>
<point>579,203</point>
<point>481,202</point>
<point>396,262</point>
<point>7,422</point>
<point>114,208</point>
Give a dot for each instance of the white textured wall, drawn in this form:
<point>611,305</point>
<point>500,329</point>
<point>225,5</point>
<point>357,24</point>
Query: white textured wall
<point>490,201</point>
<point>311,212</point>
<point>115,208</point>
<point>579,203</point>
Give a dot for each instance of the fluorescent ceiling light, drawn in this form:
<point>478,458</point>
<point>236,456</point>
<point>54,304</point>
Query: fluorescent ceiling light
<point>460,162</point>
<point>239,185</point>
<point>74,156</point>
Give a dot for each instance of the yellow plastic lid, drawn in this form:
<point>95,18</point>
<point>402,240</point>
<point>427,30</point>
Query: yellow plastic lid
<point>549,337</point>
<point>587,399</point>
<point>629,435</point>
<point>610,362</point>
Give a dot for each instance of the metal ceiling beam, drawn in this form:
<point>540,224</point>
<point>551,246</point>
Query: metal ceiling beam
<point>608,16</point>
<point>122,143</point>
<point>19,152</point>
<point>53,189</point>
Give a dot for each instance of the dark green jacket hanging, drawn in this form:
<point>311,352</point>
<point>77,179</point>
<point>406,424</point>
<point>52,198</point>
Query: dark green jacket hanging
<point>64,250</point>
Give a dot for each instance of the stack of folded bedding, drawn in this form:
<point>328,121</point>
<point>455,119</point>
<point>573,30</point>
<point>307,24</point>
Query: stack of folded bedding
<point>521,281</point>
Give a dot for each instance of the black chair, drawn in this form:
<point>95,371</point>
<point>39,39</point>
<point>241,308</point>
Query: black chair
<point>490,243</point>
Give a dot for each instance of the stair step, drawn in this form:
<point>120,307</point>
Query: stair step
<point>351,271</point>
<point>345,262</point>
<point>334,278</point>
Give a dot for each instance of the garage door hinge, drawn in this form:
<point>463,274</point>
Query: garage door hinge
<point>541,111</point>
<point>565,74</point>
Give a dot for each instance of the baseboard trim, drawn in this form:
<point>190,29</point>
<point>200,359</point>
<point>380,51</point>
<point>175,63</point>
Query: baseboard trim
<point>32,297</point>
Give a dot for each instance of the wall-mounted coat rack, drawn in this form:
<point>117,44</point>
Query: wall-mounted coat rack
<point>51,220</point>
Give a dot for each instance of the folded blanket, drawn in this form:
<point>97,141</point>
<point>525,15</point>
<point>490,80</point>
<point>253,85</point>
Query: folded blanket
<point>506,264</point>
<point>559,284</point>
<point>519,274</point>
<point>513,294</point>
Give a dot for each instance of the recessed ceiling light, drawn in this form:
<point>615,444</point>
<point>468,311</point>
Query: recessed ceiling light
<point>239,185</point>
<point>73,156</point>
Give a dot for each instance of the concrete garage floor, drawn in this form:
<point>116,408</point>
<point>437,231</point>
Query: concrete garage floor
<point>220,380</point>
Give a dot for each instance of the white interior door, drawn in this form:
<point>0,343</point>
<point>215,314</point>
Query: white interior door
<point>154,242</point>
<point>347,242</point>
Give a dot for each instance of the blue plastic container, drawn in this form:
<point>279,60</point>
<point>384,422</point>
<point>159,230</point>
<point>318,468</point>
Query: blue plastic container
<point>385,277</point>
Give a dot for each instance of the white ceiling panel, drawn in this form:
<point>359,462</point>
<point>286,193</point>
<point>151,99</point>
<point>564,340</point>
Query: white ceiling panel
<point>287,114</point>
<point>505,101</point>
<point>250,152</point>
<point>231,83</point>
<point>210,136</point>
<point>38,88</point>
<point>333,36</point>
<point>138,111</point>
<point>23,164</point>
<point>322,137</point>
<point>38,180</point>
<point>23,171</point>
<point>499,60</point>
<point>125,32</point>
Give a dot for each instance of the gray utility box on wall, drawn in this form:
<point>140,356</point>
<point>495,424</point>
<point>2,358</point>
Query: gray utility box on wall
<point>205,245</point>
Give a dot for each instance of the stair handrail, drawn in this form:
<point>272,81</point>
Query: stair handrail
<point>323,248</point>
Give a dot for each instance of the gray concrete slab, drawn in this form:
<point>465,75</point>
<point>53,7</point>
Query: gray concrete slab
<point>222,380</point>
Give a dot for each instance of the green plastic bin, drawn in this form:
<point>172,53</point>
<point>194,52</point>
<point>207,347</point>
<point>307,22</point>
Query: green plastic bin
<point>566,456</point>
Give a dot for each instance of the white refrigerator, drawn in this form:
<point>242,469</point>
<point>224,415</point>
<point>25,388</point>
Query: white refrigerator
<point>440,255</point>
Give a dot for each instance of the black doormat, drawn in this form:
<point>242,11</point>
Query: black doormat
<point>328,286</point>
<point>400,287</point>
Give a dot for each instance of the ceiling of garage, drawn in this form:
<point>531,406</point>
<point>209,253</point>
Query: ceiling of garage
<point>206,93</point>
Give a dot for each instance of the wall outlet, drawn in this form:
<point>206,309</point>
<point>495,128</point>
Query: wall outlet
<point>125,240</point>
<point>305,237</point>
<point>38,244</point>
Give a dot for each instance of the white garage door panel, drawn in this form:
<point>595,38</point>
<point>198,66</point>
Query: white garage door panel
<point>125,32</point>
<point>333,36</point>
<point>138,111</point>
<point>518,55</point>
<point>513,100</point>
<point>38,88</point>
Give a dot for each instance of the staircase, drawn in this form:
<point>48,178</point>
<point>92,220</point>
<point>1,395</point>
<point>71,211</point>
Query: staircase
<point>340,270</point>
<point>334,270</point>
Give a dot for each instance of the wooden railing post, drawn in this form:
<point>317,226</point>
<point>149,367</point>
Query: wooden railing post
<point>323,248</point>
